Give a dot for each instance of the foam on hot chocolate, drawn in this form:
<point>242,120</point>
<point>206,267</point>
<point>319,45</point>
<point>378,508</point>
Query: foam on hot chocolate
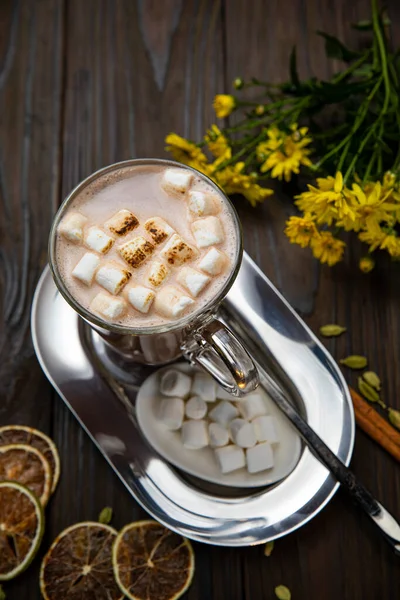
<point>146,245</point>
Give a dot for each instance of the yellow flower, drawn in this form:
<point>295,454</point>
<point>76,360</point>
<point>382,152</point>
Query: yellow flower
<point>327,249</point>
<point>391,243</point>
<point>389,180</point>
<point>366,264</point>
<point>233,181</point>
<point>223,105</point>
<point>184,151</point>
<point>301,230</point>
<point>216,142</point>
<point>370,207</point>
<point>284,154</point>
<point>328,201</point>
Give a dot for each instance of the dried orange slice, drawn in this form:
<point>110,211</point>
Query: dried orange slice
<point>151,562</point>
<point>25,464</point>
<point>21,528</point>
<point>78,565</point>
<point>20,434</point>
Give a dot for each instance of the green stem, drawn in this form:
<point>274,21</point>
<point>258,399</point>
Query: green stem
<point>359,151</point>
<point>343,74</point>
<point>383,54</point>
<point>245,149</point>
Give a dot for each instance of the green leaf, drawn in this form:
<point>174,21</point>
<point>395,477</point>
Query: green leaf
<point>106,515</point>
<point>294,76</point>
<point>335,49</point>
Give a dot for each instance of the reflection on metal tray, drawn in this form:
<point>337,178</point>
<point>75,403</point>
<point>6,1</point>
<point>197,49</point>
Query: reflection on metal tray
<point>77,364</point>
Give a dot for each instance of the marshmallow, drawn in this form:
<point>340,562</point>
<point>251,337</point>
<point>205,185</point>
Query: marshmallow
<point>195,408</point>
<point>259,458</point>
<point>230,458</point>
<point>219,436</point>
<point>204,386</point>
<point>141,298</point>
<point>176,251</point>
<point>265,429</point>
<point>136,251</point>
<point>176,181</point>
<point>213,262</point>
<point>175,383</point>
<point>207,232</point>
<point>86,268</point>
<point>112,276</point>
<point>252,406</point>
<point>223,413</point>
<point>71,227</point>
<point>158,229</point>
<point>96,239</point>
<point>201,204</point>
<point>171,303</point>
<point>243,433</point>
<point>122,222</point>
<point>222,394</point>
<point>157,273</point>
<point>192,280</point>
<point>171,411</point>
<point>194,434</point>
<point>107,306</point>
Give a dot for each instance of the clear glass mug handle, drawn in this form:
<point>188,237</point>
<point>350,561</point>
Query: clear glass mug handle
<point>215,348</point>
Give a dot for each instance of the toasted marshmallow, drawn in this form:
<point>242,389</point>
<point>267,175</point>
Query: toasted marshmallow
<point>201,204</point>
<point>157,273</point>
<point>252,406</point>
<point>112,276</point>
<point>259,458</point>
<point>195,408</point>
<point>107,306</point>
<point>71,227</point>
<point>96,239</point>
<point>176,251</point>
<point>194,434</point>
<point>158,229</point>
<point>230,458</point>
<point>122,222</point>
<point>204,386</point>
<point>171,303</point>
<point>175,383</point>
<point>193,281</point>
<point>243,433</point>
<point>136,251</point>
<point>223,413</point>
<point>218,435</point>
<point>86,268</point>
<point>213,262</point>
<point>207,232</point>
<point>176,181</point>
<point>141,298</point>
<point>171,412</point>
<point>265,428</point>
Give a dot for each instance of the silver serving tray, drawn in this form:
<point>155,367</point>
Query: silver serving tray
<point>101,394</point>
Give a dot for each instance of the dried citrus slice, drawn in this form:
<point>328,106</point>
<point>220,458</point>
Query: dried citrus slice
<point>20,434</point>
<point>78,565</point>
<point>21,528</point>
<point>25,464</point>
<point>151,562</point>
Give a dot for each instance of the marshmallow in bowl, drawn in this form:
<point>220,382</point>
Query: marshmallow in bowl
<point>176,251</point>
<point>122,222</point>
<point>259,458</point>
<point>218,435</point>
<point>96,239</point>
<point>158,229</point>
<point>86,268</point>
<point>195,408</point>
<point>265,429</point>
<point>107,306</point>
<point>157,273</point>
<point>213,262</point>
<point>252,406</point>
<point>243,433</point>
<point>176,181</point>
<point>112,276</point>
<point>207,232</point>
<point>170,303</point>
<point>230,458</point>
<point>204,386</point>
<point>201,204</point>
<point>194,434</point>
<point>171,412</point>
<point>136,251</point>
<point>141,298</point>
<point>71,227</point>
<point>193,281</point>
<point>223,413</point>
<point>175,383</point>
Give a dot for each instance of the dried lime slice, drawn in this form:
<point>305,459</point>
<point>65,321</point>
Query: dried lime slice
<point>25,464</point>
<point>21,528</point>
<point>78,565</point>
<point>20,434</point>
<point>151,562</point>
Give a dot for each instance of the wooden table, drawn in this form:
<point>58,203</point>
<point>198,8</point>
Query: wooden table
<point>87,83</point>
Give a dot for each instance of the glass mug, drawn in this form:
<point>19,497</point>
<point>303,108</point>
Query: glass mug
<point>200,337</point>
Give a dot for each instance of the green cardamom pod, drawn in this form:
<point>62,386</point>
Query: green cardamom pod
<point>331,330</point>
<point>368,391</point>
<point>282,592</point>
<point>2,593</point>
<point>106,515</point>
<point>354,362</point>
<point>269,546</point>
<point>394,417</point>
<point>372,379</point>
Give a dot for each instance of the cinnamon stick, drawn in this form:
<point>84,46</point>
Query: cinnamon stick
<point>376,426</point>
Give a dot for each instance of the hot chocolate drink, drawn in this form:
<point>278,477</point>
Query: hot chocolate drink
<point>145,245</point>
